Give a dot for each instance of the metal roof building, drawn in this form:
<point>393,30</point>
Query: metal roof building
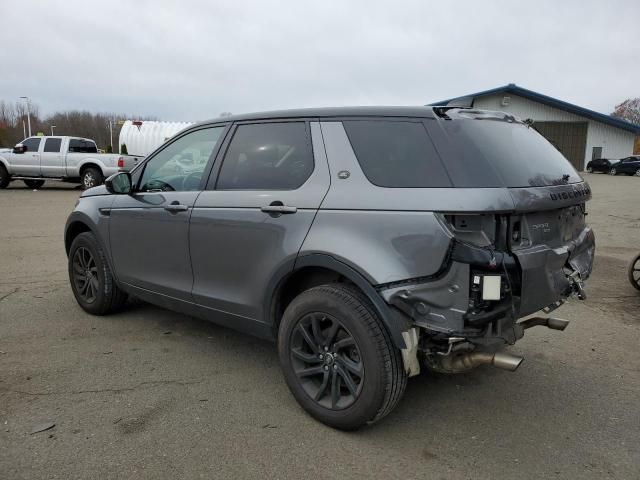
<point>579,133</point>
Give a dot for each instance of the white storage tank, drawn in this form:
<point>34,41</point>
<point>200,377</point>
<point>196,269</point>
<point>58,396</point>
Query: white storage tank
<point>143,137</point>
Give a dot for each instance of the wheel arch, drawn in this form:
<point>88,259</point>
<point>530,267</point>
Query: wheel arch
<point>90,163</point>
<point>317,269</point>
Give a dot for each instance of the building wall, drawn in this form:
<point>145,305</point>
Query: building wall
<point>615,142</point>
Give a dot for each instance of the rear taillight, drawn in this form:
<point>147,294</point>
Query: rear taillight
<point>120,162</point>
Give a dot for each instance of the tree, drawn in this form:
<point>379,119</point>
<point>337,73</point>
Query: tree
<point>123,149</point>
<point>628,110</point>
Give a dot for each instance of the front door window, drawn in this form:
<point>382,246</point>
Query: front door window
<point>179,167</point>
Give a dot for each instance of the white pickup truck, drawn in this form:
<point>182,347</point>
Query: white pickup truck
<point>72,159</point>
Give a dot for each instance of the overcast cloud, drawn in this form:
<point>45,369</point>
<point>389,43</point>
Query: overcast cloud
<point>192,60</point>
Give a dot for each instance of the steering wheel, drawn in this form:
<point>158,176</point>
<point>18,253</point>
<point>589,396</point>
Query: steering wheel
<point>157,184</point>
<point>192,181</point>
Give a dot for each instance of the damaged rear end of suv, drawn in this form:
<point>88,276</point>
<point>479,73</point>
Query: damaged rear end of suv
<point>522,247</point>
<point>464,222</point>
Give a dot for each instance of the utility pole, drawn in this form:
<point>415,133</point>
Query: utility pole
<point>111,133</point>
<point>52,127</point>
<point>28,114</point>
<point>24,130</point>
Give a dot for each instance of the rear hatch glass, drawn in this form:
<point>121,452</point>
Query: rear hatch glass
<point>466,149</point>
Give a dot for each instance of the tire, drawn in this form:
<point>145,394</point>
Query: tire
<point>589,169</point>
<point>5,178</point>
<point>634,272</point>
<point>33,183</point>
<point>613,172</point>
<point>98,294</point>
<point>361,343</point>
<point>91,177</point>
<point>637,174</point>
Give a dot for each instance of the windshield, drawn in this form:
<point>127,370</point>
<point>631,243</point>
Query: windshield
<point>491,152</point>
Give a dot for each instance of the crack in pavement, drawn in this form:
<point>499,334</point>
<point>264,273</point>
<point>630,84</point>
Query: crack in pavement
<point>15,290</point>
<point>106,390</point>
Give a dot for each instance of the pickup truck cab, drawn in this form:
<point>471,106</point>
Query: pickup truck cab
<point>73,159</point>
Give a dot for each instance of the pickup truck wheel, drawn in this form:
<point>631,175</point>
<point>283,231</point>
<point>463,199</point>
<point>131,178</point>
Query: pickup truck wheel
<point>91,177</point>
<point>91,279</point>
<point>33,183</point>
<point>338,359</point>
<point>5,179</point>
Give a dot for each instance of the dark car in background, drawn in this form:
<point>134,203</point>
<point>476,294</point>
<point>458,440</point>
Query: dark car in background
<point>600,165</point>
<point>629,165</point>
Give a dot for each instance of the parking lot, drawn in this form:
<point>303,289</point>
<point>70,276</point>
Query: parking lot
<point>148,393</point>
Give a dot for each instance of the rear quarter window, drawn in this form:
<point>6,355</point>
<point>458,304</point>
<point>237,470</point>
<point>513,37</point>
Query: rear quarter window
<point>82,146</point>
<point>396,154</point>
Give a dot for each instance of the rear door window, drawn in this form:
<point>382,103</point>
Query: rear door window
<point>267,156</point>
<point>396,154</point>
<point>52,145</point>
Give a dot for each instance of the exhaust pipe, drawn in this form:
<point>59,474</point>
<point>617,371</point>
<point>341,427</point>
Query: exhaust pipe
<point>552,323</point>
<point>467,361</point>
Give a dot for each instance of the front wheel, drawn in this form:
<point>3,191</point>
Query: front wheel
<point>91,177</point>
<point>589,169</point>
<point>338,359</point>
<point>33,183</point>
<point>91,278</point>
<point>613,172</point>
<point>5,178</point>
<point>637,174</point>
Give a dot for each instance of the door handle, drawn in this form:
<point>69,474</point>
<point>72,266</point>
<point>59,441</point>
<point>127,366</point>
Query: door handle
<point>279,209</point>
<point>176,207</point>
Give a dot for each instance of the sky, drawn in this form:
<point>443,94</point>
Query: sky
<point>192,60</point>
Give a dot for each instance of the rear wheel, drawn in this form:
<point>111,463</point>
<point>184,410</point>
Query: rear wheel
<point>91,177</point>
<point>634,272</point>
<point>91,279</point>
<point>338,359</point>
<point>33,183</point>
<point>637,174</point>
<point>613,172</point>
<point>5,179</point>
<point>589,169</point>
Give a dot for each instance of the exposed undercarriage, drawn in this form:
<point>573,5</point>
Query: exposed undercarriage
<point>499,269</point>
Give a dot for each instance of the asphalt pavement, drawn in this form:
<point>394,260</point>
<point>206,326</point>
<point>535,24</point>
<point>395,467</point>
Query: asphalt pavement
<point>148,393</point>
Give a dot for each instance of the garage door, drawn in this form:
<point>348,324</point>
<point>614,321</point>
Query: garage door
<point>568,137</point>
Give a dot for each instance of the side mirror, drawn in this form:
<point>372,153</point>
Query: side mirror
<point>19,148</point>
<point>119,183</point>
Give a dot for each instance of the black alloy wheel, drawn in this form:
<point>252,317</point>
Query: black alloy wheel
<point>327,361</point>
<point>85,275</point>
<point>634,272</point>
<point>92,282</point>
<point>338,358</point>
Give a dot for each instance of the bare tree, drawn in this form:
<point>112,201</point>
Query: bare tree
<point>72,123</point>
<point>628,110</point>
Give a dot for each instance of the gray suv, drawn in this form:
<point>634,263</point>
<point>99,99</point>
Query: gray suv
<point>368,242</point>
